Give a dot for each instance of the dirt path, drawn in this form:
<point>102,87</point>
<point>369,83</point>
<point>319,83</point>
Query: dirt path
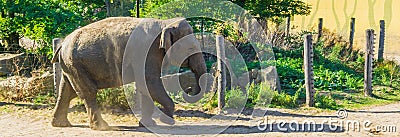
<point>26,120</point>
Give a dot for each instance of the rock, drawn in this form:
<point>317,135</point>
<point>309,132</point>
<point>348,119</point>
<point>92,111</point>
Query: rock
<point>3,72</point>
<point>9,63</point>
<point>268,75</point>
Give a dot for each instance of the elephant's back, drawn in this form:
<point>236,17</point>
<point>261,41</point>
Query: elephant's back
<point>98,48</point>
<point>101,39</point>
<point>114,27</point>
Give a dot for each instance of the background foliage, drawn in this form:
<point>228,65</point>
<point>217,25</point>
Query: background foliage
<point>43,20</point>
<point>338,70</point>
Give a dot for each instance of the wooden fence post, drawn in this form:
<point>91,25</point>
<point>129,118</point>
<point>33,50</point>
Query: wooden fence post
<point>381,40</point>
<point>369,54</point>
<point>320,25</point>
<point>202,32</point>
<point>352,30</point>
<point>137,8</point>
<point>221,70</point>
<point>56,67</point>
<point>287,27</point>
<point>308,70</point>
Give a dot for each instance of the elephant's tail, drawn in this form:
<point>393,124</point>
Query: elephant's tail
<point>55,56</point>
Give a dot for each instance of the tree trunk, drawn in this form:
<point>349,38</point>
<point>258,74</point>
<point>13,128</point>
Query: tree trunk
<point>108,7</point>
<point>13,39</point>
<point>2,14</point>
<point>137,8</point>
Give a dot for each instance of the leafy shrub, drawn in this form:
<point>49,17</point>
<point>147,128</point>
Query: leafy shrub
<point>235,98</point>
<point>253,90</point>
<point>387,73</point>
<point>334,67</point>
<point>325,102</point>
<point>326,79</point>
<point>284,100</point>
<point>209,103</point>
<point>112,97</point>
<point>264,96</point>
<point>44,20</point>
<point>259,95</point>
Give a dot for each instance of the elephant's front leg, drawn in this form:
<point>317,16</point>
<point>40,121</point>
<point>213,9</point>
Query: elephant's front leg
<point>147,108</point>
<point>158,94</point>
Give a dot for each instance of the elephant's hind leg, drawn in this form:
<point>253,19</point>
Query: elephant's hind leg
<point>86,90</point>
<point>65,95</point>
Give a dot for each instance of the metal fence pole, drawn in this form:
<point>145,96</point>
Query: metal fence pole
<point>352,30</point>
<point>308,70</point>
<point>369,54</point>
<point>221,70</point>
<point>381,40</point>
<point>137,8</point>
<point>320,25</point>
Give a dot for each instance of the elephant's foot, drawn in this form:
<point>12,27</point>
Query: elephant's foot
<point>99,125</point>
<point>147,122</point>
<point>167,120</point>
<point>60,122</point>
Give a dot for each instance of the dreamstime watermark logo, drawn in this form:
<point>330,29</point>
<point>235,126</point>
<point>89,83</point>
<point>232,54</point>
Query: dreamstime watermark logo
<point>327,125</point>
<point>142,65</point>
<point>341,113</point>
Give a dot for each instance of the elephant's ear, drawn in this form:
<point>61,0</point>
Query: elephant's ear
<point>165,39</point>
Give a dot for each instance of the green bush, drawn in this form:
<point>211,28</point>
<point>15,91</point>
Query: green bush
<point>112,97</point>
<point>259,95</point>
<point>387,73</point>
<point>284,100</point>
<point>334,67</point>
<point>235,98</point>
<point>325,102</point>
<point>209,104</point>
<point>264,96</point>
<point>43,20</point>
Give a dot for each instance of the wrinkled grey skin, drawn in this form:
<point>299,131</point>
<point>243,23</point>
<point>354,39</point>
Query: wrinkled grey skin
<point>91,58</point>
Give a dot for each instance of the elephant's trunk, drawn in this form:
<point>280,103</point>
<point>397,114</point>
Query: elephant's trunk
<point>198,67</point>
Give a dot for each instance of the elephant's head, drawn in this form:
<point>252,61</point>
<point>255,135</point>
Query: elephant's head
<point>183,49</point>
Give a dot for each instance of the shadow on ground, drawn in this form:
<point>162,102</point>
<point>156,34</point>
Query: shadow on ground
<point>30,106</point>
<point>235,129</point>
<point>369,111</point>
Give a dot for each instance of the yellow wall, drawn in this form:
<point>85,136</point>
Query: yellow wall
<point>337,14</point>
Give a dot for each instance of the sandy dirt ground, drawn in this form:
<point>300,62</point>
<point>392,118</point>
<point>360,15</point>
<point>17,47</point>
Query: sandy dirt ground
<point>29,120</point>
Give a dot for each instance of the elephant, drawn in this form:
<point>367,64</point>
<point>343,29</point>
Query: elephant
<point>92,57</point>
